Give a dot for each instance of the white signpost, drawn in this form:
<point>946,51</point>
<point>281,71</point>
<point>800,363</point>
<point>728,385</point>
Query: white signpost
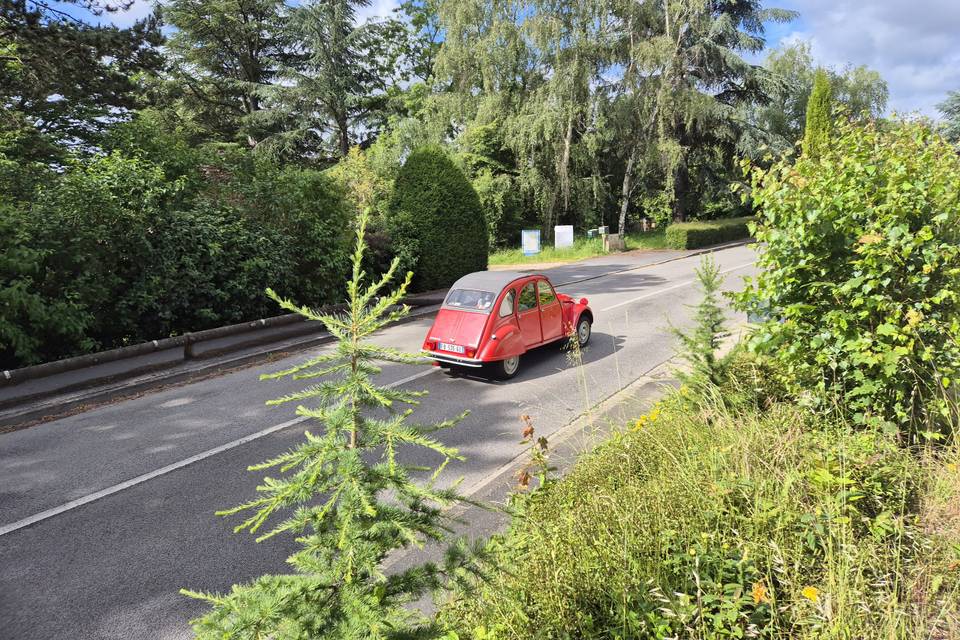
<point>563,236</point>
<point>530,241</point>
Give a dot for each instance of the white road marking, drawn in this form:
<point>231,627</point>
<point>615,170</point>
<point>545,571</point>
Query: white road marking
<point>87,499</point>
<point>679,285</point>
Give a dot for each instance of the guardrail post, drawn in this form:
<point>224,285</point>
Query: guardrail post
<point>188,347</point>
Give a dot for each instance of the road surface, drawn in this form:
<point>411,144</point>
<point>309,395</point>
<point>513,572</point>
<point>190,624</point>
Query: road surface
<point>104,515</point>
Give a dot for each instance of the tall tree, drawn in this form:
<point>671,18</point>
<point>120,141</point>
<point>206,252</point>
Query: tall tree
<point>819,113</point>
<point>339,78</point>
<point>861,90</point>
<point>950,110</point>
<point>226,55</point>
<point>64,82</point>
<point>689,75</point>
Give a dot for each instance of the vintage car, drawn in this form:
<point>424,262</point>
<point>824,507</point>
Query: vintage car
<point>491,318</point>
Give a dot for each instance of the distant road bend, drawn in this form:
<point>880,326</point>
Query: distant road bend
<point>104,515</point>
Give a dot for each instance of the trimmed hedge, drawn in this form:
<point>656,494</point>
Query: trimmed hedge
<point>693,235</point>
<point>436,220</point>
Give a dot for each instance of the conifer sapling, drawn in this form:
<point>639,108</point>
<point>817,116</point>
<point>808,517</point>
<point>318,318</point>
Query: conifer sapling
<point>699,348</point>
<point>344,493</point>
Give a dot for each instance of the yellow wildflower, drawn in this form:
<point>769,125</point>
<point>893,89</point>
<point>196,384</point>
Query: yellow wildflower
<point>914,317</point>
<point>811,593</point>
<point>760,593</point>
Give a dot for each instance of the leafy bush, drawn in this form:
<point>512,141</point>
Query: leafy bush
<point>709,524</point>
<point>436,221</point>
<point>131,247</point>
<point>860,273</point>
<point>693,235</point>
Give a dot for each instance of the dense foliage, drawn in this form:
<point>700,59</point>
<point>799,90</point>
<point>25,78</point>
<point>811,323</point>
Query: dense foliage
<point>693,235</point>
<point>436,220</point>
<point>860,273</point>
<point>346,495</point>
<point>769,523</point>
<point>159,239</point>
<point>781,121</point>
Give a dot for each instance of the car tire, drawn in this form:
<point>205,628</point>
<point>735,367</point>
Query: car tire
<point>506,369</point>
<point>584,331</point>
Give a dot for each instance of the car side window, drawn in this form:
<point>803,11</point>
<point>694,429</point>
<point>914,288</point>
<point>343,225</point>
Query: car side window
<point>547,296</point>
<point>528,298</point>
<point>506,307</point>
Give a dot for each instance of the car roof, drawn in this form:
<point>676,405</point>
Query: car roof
<point>493,281</point>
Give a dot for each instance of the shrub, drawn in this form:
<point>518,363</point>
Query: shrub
<point>126,248</point>
<point>436,221</point>
<point>860,273</point>
<point>693,235</point>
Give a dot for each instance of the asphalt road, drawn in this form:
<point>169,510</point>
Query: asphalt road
<point>104,515</point>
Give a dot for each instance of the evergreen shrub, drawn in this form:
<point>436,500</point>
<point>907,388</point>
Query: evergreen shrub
<point>436,221</point>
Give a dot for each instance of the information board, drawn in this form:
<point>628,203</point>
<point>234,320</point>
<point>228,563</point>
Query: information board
<point>563,236</point>
<point>530,241</point>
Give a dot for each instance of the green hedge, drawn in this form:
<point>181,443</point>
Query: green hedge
<point>436,220</point>
<point>125,248</point>
<point>693,235</point>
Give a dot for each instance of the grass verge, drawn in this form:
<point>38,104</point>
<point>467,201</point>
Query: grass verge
<point>700,520</point>
<point>582,248</point>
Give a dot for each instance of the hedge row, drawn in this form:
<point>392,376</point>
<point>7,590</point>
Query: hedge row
<point>693,235</point>
<point>122,248</point>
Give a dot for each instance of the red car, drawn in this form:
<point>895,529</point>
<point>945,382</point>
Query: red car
<point>491,318</point>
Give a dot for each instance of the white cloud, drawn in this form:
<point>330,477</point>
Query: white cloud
<point>377,9</point>
<point>914,45</point>
<point>139,10</point>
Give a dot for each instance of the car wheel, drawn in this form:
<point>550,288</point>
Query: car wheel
<point>506,369</point>
<point>584,328</point>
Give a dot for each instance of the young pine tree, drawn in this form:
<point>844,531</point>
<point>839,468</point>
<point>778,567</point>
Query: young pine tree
<point>346,496</point>
<point>699,348</point>
<point>816,135</point>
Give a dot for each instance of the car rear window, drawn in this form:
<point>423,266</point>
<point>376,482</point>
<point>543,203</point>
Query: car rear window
<point>470,300</point>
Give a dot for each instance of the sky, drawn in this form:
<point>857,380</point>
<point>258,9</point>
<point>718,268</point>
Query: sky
<point>914,44</point>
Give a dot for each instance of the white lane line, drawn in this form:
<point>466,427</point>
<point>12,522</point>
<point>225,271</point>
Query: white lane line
<point>679,285</point>
<point>73,504</point>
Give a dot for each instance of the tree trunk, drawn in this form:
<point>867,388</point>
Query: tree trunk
<point>625,193</point>
<point>343,133</point>
<point>565,166</point>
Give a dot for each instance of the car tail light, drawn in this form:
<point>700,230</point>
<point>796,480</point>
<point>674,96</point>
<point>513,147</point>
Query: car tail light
<point>470,352</point>
<point>430,345</point>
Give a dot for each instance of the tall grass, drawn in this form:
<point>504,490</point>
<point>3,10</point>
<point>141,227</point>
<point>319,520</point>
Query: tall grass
<point>582,248</point>
<point>705,521</point>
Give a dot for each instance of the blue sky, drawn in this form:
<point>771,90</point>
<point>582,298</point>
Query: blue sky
<point>914,44</point>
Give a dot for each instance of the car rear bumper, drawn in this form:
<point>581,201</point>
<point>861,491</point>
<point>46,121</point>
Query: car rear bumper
<point>452,359</point>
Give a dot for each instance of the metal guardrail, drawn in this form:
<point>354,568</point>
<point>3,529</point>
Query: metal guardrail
<point>187,342</point>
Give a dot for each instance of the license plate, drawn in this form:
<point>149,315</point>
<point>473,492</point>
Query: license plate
<point>453,348</point>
